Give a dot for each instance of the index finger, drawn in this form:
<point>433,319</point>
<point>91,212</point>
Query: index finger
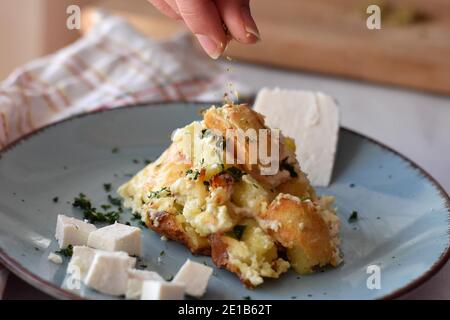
<point>203,19</point>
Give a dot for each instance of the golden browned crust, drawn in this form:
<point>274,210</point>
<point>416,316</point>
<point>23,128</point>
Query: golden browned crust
<point>167,225</point>
<point>219,255</point>
<point>242,117</point>
<point>298,226</point>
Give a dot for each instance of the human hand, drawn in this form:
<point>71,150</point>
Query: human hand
<point>206,20</point>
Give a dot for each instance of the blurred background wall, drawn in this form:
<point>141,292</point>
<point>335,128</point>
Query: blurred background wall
<point>32,28</point>
<point>412,48</point>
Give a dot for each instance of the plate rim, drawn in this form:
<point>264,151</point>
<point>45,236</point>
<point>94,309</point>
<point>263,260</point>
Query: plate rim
<point>57,292</point>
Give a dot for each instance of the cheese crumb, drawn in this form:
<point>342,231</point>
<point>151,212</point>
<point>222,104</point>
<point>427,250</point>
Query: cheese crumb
<point>55,258</point>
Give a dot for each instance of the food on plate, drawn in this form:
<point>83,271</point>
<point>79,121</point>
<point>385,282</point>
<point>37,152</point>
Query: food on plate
<point>157,290</point>
<point>117,237</point>
<point>316,127</point>
<point>82,259</point>
<point>108,273</point>
<point>71,231</point>
<point>109,268</point>
<point>194,276</point>
<point>254,224</point>
<point>135,280</point>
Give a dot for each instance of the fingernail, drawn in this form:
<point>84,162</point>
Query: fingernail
<point>212,48</point>
<point>249,24</point>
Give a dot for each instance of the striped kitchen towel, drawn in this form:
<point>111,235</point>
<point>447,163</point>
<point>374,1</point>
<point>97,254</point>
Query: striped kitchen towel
<point>113,65</point>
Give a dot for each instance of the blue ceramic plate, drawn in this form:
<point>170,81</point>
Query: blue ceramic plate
<point>402,226</point>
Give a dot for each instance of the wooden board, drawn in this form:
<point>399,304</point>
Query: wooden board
<point>329,36</point>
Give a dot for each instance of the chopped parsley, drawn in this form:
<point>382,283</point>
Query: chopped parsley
<point>106,206</point>
<point>205,133</point>
<point>115,150</point>
<point>90,213</point>
<point>162,253</point>
<point>237,232</point>
<point>193,174</point>
<point>107,187</point>
<point>136,216</point>
<point>114,201</point>
<point>135,161</point>
<point>55,199</point>
<point>147,161</point>
<point>247,298</point>
<point>66,252</point>
<point>353,217</point>
<point>287,166</point>
<point>169,278</point>
<point>164,192</point>
<point>206,183</point>
<point>234,172</point>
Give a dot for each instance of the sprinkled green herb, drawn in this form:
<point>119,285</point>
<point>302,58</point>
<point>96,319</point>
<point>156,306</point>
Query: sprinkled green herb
<point>234,172</point>
<point>136,216</point>
<point>164,192</point>
<point>304,198</point>
<point>106,206</point>
<point>115,150</point>
<point>66,252</point>
<point>135,161</point>
<point>82,202</point>
<point>247,298</point>
<point>353,217</point>
<point>90,213</point>
<point>170,278</point>
<point>55,199</point>
<point>162,253</point>
<point>114,201</point>
<point>206,183</point>
<point>205,133</point>
<point>237,232</point>
<point>193,174</point>
<point>147,161</point>
<point>107,187</point>
<point>128,223</point>
<point>352,185</point>
<point>287,166</point>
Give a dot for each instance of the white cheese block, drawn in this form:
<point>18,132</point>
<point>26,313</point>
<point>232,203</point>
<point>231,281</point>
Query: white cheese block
<point>109,273</point>
<point>312,119</point>
<point>117,237</point>
<point>72,231</point>
<point>82,259</point>
<point>194,276</point>
<point>55,258</point>
<point>136,279</point>
<point>157,290</point>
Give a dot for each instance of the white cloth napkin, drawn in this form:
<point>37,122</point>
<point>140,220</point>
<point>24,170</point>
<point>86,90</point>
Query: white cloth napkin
<point>113,65</point>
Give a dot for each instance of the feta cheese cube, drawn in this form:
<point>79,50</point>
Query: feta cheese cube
<point>82,259</point>
<point>312,119</point>
<point>136,279</point>
<point>117,237</point>
<point>194,276</point>
<point>55,258</point>
<point>109,273</point>
<point>72,231</point>
<point>157,290</point>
